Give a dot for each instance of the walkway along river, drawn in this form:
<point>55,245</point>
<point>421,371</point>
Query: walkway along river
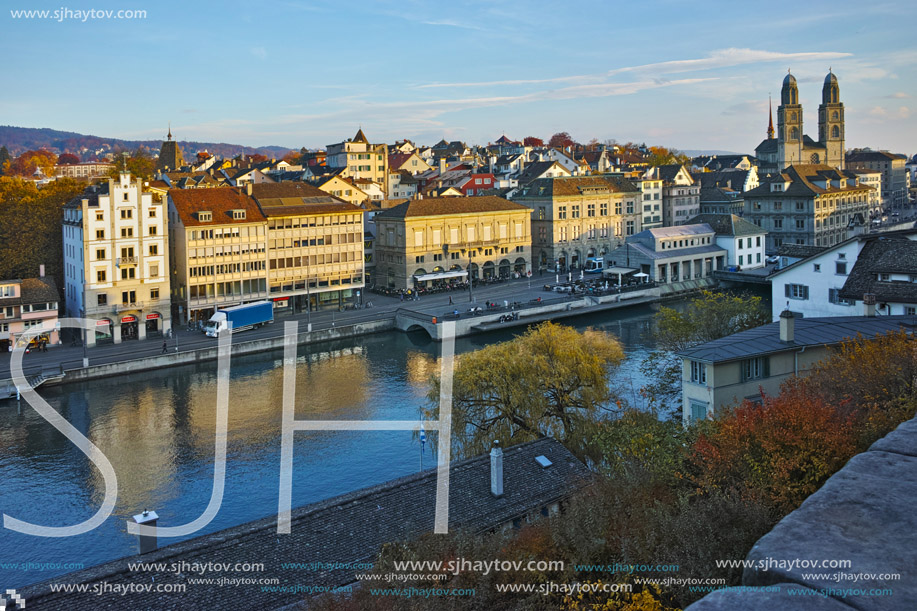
<point>157,428</point>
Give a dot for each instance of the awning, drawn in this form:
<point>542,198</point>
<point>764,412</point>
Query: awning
<point>440,276</point>
<point>620,270</point>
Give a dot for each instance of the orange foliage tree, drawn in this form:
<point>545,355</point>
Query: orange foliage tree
<point>29,161</point>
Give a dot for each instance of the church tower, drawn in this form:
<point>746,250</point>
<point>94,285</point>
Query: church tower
<point>789,125</point>
<point>831,123</point>
<point>170,155</point>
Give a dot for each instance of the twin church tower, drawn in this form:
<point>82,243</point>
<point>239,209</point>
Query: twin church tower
<point>792,146</point>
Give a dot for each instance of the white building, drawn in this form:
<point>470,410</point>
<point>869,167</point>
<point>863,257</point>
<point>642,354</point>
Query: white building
<point>116,261</point>
<point>651,202</point>
<point>742,240</point>
<point>835,281</point>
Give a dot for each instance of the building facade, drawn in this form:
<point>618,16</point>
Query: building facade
<point>357,158</point>
<point>793,146</point>
<point>87,169</point>
<point>680,193</point>
<point>668,255</point>
<point>449,239</point>
<point>811,205</point>
<point>28,305</point>
<point>743,241</point>
<point>116,261</point>
<point>892,169</point>
<point>577,217</point>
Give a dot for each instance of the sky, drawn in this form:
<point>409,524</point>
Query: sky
<point>299,73</point>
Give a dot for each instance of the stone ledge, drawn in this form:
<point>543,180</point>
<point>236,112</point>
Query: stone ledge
<point>770,598</point>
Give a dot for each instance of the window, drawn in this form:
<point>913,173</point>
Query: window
<point>590,210</point>
<point>154,294</point>
<point>100,216</point>
<point>100,275</point>
<point>127,232</point>
<point>698,372</point>
<point>100,234</point>
<point>418,259</point>
<point>128,273</point>
<point>840,267</point>
<point>575,212</point>
<point>797,291</point>
<point>816,267</point>
<point>800,224</point>
<point>102,299</point>
<point>778,223</point>
<point>603,208</point>
<point>910,310</point>
<point>561,212</point>
<point>153,229</point>
<point>154,271</point>
<point>152,213</point>
<point>128,297</point>
<point>100,254</point>
<point>154,249</point>
<point>126,213</point>
<point>835,298</point>
<point>754,369</point>
<point>698,410</point>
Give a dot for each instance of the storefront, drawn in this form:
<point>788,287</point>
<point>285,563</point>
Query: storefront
<point>103,331</point>
<point>129,329</point>
<point>153,325</point>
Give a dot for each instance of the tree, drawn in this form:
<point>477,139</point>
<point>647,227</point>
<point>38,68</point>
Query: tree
<point>532,141</point>
<point>26,164</point>
<point>68,159</point>
<point>139,164</point>
<point>708,317</point>
<point>553,380</point>
<point>4,159</point>
<point>292,157</point>
<point>561,140</point>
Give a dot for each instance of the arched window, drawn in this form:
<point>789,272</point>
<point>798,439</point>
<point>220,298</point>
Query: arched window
<point>835,116</point>
<point>835,132</point>
<point>794,133</point>
<point>792,116</point>
<point>814,158</point>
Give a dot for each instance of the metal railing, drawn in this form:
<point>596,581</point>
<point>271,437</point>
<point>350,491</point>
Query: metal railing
<point>127,261</point>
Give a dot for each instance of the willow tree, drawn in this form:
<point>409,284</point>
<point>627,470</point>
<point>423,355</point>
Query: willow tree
<point>551,381</point>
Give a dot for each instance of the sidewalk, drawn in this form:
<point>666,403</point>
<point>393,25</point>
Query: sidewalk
<point>71,357</point>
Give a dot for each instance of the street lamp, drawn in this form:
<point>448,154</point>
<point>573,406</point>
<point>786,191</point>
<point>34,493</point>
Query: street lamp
<point>470,276</point>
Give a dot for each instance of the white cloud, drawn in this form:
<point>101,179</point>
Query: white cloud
<point>900,95</point>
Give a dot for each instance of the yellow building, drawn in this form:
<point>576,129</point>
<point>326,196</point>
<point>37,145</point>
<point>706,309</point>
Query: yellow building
<point>315,246</point>
<point>342,189</point>
<point>219,250</point>
<point>445,239</point>
<point>357,158</point>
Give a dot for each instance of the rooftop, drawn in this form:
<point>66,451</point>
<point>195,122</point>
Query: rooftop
<point>883,255</point>
<point>728,224</point>
<point>436,206</point>
<point>826,331</point>
<point>221,201</point>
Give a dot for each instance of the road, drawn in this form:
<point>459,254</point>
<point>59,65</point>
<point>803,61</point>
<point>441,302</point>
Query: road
<point>71,357</point>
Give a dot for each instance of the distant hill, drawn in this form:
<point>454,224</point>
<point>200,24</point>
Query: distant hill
<point>19,139</point>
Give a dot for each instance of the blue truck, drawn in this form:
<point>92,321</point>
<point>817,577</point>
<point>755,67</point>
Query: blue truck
<point>240,317</point>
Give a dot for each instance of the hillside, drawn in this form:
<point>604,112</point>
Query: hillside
<point>19,139</point>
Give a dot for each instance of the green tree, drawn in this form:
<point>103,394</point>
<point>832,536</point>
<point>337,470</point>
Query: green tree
<point>708,317</point>
<point>552,380</point>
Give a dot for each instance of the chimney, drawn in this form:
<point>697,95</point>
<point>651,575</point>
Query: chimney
<point>248,189</point>
<point>491,160</point>
<point>787,326</point>
<point>496,470</point>
<point>869,304</point>
<point>41,270</point>
<point>146,543</point>
<point>442,166</point>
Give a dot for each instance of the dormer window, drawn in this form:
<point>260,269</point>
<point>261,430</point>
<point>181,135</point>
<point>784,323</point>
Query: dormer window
<point>205,216</point>
<point>238,215</point>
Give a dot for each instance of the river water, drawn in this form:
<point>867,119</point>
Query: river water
<point>157,429</point>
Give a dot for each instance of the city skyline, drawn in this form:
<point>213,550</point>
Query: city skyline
<point>301,74</point>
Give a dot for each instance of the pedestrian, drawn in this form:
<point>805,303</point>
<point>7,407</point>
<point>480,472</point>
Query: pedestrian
<point>450,299</point>
<point>164,346</point>
<point>402,297</point>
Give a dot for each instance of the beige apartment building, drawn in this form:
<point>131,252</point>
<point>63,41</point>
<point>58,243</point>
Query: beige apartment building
<point>357,158</point>
<point>315,247</point>
<point>116,261</point>
<point>444,239</point>
<point>577,217</point>
<point>28,305</point>
<point>219,250</point>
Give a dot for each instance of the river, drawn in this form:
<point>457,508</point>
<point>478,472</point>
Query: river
<point>157,429</point>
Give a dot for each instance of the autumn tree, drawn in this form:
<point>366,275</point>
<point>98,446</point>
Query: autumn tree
<point>30,226</point>
<point>4,159</point>
<point>139,163</point>
<point>533,141</point>
<point>29,161</point>
<point>553,381</point>
<point>68,159</point>
<point>561,140</point>
<point>707,317</point>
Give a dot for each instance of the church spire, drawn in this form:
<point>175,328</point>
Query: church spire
<point>170,130</point>
<point>770,118</point>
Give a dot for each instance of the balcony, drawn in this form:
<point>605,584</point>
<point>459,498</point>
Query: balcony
<point>127,261</point>
<point>121,307</point>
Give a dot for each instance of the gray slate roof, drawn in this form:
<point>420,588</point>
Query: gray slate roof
<point>808,332</point>
<point>346,529</point>
<point>674,253</point>
<point>673,232</point>
<point>884,255</point>
<point>33,290</point>
<point>728,224</point>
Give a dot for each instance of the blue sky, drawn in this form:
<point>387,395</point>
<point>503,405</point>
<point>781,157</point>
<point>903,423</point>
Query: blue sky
<point>692,75</point>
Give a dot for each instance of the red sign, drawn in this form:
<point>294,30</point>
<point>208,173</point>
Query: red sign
<point>129,319</point>
<point>152,316</point>
<point>281,298</point>
<point>103,323</point>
